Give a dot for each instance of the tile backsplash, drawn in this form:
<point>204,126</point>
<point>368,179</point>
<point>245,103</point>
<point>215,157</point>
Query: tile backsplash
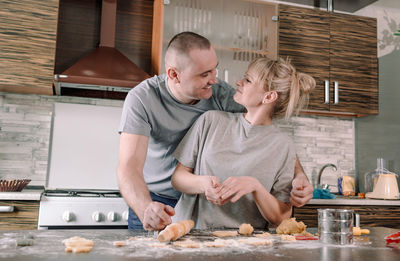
<point>25,125</point>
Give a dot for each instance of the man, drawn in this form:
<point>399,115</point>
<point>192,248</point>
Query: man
<point>157,114</point>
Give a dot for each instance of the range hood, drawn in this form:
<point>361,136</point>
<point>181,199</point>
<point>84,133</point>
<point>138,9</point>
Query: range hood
<point>105,68</point>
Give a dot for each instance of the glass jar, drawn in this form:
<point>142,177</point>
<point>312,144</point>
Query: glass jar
<point>371,178</point>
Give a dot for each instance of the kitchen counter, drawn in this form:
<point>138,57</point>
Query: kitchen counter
<point>48,246</point>
<point>26,194</point>
<point>354,201</point>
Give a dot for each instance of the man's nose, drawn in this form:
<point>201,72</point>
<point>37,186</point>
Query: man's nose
<point>213,79</point>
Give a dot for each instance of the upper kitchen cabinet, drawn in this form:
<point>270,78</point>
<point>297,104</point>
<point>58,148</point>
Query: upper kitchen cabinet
<point>27,45</point>
<point>339,51</point>
<point>239,30</point>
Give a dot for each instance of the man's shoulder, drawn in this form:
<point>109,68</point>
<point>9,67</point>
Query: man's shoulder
<point>149,87</point>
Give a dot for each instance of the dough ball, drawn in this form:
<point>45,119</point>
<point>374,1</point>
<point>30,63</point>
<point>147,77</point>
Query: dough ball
<point>246,229</point>
<point>290,226</point>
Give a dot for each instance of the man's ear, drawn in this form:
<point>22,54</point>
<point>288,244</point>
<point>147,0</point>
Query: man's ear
<point>173,74</point>
<point>270,97</point>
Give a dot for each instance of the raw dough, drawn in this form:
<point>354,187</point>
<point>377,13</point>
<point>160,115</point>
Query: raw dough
<point>186,244</point>
<point>290,226</point>
<point>255,241</point>
<point>78,245</point>
<point>246,229</point>
<point>288,238</point>
<point>219,243</point>
<point>265,234</point>
<point>119,243</point>
<point>225,233</point>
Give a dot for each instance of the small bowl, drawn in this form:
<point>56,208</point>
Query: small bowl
<point>13,185</point>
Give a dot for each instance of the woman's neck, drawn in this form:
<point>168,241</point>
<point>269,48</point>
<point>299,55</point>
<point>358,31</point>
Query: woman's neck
<point>258,116</point>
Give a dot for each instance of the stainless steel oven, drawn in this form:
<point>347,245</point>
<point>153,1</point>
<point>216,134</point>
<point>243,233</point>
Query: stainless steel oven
<point>81,185</point>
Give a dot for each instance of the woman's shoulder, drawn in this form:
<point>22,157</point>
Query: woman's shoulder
<point>219,115</point>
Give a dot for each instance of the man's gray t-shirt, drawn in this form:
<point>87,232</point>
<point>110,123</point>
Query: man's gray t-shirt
<point>225,144</point>
<point>151,110</point>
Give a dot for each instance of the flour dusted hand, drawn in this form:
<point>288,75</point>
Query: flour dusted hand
<point>157,216</point>
<point>175,230</point>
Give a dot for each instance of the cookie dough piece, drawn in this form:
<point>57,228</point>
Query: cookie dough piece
<point>158,244</point>
<point>264,235</point>
<point>246,229</point>
<point>219,243</point>
<point>187,244</point>
<point>290,226</point>
<point>175,230</point>
<point>225,233</point>
<point>78,245</point>
<point>255,241</point>
<point>288,238</point>
<point>119,243</point>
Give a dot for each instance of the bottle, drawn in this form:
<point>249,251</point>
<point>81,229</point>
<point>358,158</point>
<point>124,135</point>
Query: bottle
<point>371,178</point>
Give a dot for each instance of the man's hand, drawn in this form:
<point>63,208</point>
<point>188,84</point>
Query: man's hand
<point>157,216</point>
<point>302,191</point>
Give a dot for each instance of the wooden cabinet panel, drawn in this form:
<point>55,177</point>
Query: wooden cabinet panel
<point>354,64</point>
<point>24,216</point>
<point>304,37</point>
<point>27,45</point>
<point>333,47</point>
<point>370,216</point>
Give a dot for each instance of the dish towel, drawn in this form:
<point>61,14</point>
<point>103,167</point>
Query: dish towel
<point>320,193</point>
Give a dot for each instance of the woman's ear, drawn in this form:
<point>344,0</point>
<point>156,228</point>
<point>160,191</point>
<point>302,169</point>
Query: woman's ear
<point>173,74</point>
<point>270,97</point>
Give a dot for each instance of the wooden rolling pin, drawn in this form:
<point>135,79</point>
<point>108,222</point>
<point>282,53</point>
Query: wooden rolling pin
<point>175,230</point>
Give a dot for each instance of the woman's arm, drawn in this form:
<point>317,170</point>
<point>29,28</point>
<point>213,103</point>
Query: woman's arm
<point>185,181</point>
<point>270,207</point>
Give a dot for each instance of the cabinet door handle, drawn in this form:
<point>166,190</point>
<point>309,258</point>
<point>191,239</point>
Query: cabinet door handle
<point>6,209</point>
<point>326,92</point>
<point>336,91</point>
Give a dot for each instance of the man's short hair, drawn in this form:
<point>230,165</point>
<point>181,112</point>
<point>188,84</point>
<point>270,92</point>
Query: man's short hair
<point>186,41</point>
<point>181,45</point>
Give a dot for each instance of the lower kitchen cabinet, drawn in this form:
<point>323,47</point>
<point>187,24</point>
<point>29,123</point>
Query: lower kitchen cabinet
<point>370,215</point>
<point>23,217</point>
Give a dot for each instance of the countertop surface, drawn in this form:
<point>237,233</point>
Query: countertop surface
<point>26,194</point>
<point>47,245</point>
<point>354,201</point>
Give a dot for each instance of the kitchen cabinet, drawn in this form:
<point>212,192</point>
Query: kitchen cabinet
<point>370,215</point>
<point>27,45</point>
<point>239,30</point>
<point>23,214</point>
<point>339,51</point>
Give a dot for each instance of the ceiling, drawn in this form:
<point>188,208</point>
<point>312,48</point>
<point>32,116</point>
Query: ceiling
<point>341,5</point>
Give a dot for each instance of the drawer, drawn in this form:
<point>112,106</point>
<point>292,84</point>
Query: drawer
<point>23,214</point>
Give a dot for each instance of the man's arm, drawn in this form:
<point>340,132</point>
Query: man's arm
<point>132,156</point>
<point>302,190</point>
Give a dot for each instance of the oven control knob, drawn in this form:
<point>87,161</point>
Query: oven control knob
<point>67,216</point>
<point>125,215</point>
<point>96,216</point>
<point>112,216</point>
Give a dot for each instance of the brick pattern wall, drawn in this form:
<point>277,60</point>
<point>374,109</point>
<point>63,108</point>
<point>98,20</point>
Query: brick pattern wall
<point>25,125</point>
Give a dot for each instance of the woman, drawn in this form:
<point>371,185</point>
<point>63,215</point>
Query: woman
<point>252,158</point>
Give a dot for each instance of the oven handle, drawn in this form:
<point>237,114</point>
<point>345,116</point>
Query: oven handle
<point>4,209</point>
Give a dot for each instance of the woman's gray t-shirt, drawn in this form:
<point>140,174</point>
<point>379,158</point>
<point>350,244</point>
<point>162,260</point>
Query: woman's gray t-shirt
<point>151,110</point>
<point>225,144</point>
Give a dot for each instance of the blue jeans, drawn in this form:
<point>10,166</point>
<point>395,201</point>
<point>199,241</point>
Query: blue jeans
<point>133,220</point>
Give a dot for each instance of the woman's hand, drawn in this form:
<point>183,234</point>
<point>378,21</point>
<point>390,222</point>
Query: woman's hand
<point>234,188</point>
<point>211,187</point>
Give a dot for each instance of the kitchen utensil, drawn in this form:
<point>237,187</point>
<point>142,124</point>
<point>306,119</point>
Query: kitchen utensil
<point>386,187</point>
<point>335,226</point>
<point>13,185</point>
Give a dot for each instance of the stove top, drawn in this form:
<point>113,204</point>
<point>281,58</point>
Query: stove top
<point>82,193</point>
